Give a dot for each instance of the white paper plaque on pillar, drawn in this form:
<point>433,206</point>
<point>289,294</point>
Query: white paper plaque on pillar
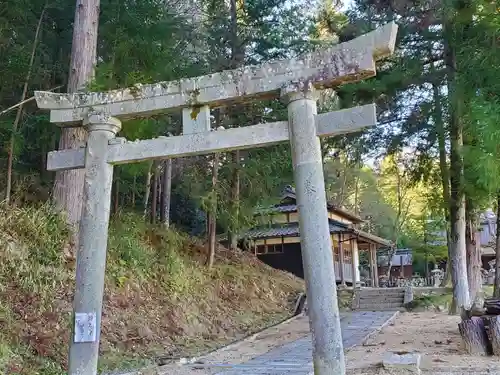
<point>85,327</point>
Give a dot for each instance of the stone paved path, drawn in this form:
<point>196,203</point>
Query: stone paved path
<point>294,358</point>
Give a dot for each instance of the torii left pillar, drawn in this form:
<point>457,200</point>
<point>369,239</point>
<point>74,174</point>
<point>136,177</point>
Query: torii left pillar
<point>91,253</point>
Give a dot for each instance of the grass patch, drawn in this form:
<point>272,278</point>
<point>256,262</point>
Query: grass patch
<point>431,301</point>
<point>160,299</point>
<point>442,300</point>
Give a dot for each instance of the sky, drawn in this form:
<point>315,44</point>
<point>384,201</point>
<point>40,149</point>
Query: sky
<point>346,4</point>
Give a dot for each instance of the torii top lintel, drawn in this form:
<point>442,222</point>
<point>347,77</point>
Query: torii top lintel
<point>346,62</point>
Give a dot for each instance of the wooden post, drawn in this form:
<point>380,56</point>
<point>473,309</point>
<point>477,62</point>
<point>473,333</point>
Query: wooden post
<point>370,263</point>
<point>375,265</point>
<point>333,249</point>
<point>354,263</point>
<point>401,270</point>
<point>341,262</point>
<point>332,237</point>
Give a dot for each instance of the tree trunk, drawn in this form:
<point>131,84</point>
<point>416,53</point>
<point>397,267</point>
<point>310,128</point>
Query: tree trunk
<point>457,197</point>
<point>212,216</point>
<point>15,125</point>
<point>117,193</point>
<point>134,186</point>
<point>154,198</point>
<point>399,219</point>
<point>445,174</point>
<point>237,60</point>
<point>166,193</point>
<point>458,242</point>
<point>496,287</point>
<point>356,195</point>
<point>147,190</point>
<point>474,277</point>
<point>494,333</point>
<point>390,255</point>
<point>68,186</point>
<point>447,275</point>
<point>473,332</point>
<point>235,202</point>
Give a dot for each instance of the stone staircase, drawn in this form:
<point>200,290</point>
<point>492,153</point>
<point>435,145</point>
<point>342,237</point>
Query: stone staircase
<point>378,299</point>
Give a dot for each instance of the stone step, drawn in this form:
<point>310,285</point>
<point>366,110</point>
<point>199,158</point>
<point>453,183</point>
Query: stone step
<point>379,301</point>
<point>382,296</point>
<point>382,291</point>
<point>378,298</point>
<point>380,306</point>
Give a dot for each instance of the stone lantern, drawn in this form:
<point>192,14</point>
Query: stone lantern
<point>437,276</point>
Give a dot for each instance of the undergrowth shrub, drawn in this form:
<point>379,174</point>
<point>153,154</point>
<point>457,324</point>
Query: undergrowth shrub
<point>179,275</point>
<point>39,228</point>
<point>32,241</point>
<point>127,250</point>
<point>149,254</point>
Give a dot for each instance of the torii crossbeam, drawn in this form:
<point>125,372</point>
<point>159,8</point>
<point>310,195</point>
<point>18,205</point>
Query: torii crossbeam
<point>267,134</point>
<point>296,81</point>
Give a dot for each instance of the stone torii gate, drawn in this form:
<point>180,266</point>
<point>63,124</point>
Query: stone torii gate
<point>297,81</point>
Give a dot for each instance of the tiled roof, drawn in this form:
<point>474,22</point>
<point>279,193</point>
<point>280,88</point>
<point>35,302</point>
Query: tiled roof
<point>293,208</point>
<point>289,230</point>
<point>292,229</point>
<point>278,208</point>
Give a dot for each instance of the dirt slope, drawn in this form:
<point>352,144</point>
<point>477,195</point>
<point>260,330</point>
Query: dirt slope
<point>160,300</point>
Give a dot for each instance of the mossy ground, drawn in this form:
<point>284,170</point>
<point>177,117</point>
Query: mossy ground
<point>160,298</point>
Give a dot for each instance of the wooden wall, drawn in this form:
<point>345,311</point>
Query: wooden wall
<point>289,260</point>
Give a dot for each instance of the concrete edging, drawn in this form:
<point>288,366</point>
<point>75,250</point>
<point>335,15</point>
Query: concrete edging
<point>192,360</point>
<point>461,371</point>
<point>375,331</point>
<point>247,338</point>
<point>294,316</point>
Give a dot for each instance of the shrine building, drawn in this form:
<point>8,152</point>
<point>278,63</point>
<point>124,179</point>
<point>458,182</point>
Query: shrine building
<point>276,241</point>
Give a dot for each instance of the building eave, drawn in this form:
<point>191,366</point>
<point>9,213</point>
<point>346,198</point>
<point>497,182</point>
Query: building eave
<point>354,218</point>
<point>372,238</point>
